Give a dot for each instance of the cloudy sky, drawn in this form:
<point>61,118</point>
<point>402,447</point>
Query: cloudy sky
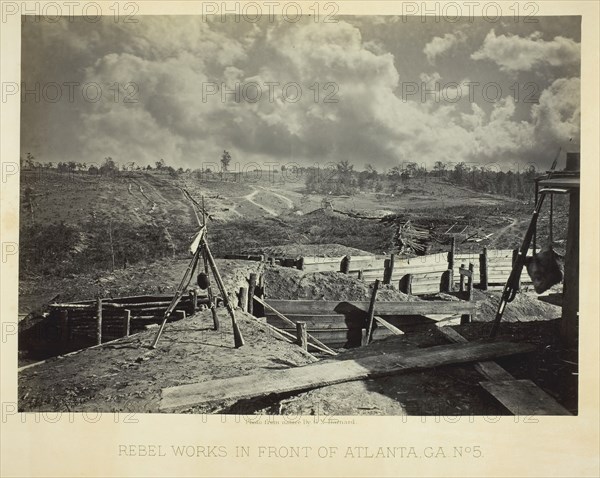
<point>372,90</point>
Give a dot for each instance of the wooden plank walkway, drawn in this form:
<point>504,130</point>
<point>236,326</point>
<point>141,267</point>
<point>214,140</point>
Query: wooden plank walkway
<point>523,397</point>
<point>330,372</point>
<point>520,397</point>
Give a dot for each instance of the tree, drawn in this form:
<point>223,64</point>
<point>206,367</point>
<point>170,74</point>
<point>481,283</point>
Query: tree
<point>225,160</point>
<point>440,168</point>
<point>160,164</point>
<point>109,167</point>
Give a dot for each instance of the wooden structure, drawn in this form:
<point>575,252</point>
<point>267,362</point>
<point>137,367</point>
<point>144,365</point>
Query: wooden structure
<point>568,182</point>
<point>520,397</point>
<point>328,372</point>
<point>339,323</point>
<point>419,275</point>
<point>91,322</point>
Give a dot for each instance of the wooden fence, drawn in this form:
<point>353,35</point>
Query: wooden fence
<point>422,274</point>
<point>94,322</point>
<point>339,323</point>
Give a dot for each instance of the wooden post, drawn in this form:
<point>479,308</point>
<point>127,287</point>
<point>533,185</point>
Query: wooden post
<point>462,280</point>
<point>389,269</point>
<point>251,287</point>
<point>301,335</point>
<point>127,323</point>
<point>243,299</point>
<point>360,275</point>
<point>345,265</point>
<point>405,284</point>
<point>386,271</point>
<point>483,269</point>
<point>470,281</point>
<point>452,253</point>
<point>367,337</point>
<point>194,299</point>
<point>569,322</point>
<point>447,281</point>
<point>63,318</point>
<point>98,321</point>
<point>514,259</point>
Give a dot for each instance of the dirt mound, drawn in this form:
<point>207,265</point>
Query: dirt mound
<point>128,376</point>
<point>289,284</point>
<point>525,307</point>
<point>320,250</point>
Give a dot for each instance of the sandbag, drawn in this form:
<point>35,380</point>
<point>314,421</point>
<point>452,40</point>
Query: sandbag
<point>544,269</point>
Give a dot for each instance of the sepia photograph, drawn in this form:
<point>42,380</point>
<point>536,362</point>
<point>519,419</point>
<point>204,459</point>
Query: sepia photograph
<point>296,214</point>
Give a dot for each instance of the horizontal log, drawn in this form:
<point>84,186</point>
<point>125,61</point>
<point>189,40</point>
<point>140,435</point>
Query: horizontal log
<point>399,273</point>
<point>313,322</point>
<point>425,290</point>
<point>246,257</point>
<point>333,267</point>
<point>262,383</point>
<point>310,260</point>
<point>325,307</point>
<point>366,264</point>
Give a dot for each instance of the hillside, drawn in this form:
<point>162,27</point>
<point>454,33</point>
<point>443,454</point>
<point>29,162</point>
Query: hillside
<point>78,223</point>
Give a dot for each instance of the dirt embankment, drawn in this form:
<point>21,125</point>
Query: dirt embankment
<point>128,375</point>
<point>289,284</point>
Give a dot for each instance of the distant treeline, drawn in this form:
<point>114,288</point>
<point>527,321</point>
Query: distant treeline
<point>342,179</point>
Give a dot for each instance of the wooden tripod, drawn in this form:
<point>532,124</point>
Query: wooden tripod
<point>199,248</point>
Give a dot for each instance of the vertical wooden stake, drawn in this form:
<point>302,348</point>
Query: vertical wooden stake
<point>470,282</point>
<point>360,275</point>
<point>194,299</point>
<point>386,271</point>
<point>243,299</point>
<point>98,321</point>
<point>462,280</point>
<point>301,334</point>
<point>483,269</point>
<point>452,253</point>
<point>127,323</point>
<point>251,287</point>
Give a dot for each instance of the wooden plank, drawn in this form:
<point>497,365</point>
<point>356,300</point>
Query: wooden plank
<point>490,370</point>
<point>310,260</point>
<point>523,397</point>
<point>330,372</point>
<point>400,270</point>
<point>314,322</point>
<point>387,325</point>
<point>333,267</point>
<point>284,318</point>
<point>326,307</point>
<point>356,265</point>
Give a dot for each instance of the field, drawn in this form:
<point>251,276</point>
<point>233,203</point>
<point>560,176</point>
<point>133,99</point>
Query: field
<point>85,236</point>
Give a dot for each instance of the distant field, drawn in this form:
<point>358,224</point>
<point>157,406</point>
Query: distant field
<point>73,223</point>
